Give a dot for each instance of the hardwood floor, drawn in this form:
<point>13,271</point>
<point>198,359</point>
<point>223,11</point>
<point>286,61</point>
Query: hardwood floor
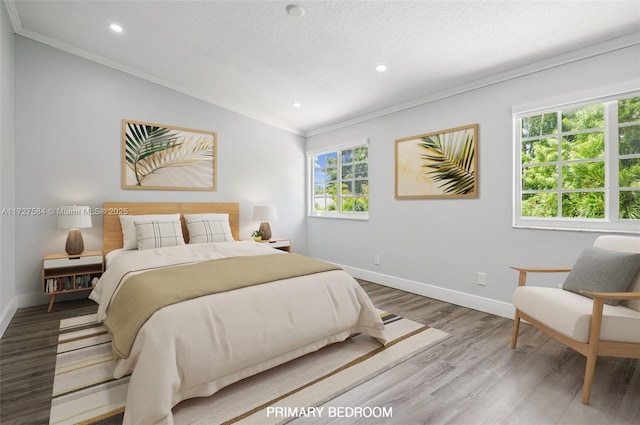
<point>473,377</point>
<point>28,359</point>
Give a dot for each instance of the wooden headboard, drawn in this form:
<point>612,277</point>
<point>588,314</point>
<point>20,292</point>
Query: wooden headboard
<point>112,233</point>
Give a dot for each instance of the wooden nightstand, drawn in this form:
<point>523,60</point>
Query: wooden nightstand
<point>279,243</point>
<point>62,273</point>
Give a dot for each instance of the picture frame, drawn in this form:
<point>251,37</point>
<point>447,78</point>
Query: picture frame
<point>440,164</point>
<point>164,157</point>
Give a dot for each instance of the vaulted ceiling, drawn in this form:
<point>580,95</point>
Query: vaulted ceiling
<point>258,58</point>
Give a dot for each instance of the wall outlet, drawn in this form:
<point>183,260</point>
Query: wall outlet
<point>481,278</point>
<point>376,260</point>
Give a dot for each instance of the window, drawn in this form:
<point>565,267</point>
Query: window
<point>340,182</point>
<point>578,166</point>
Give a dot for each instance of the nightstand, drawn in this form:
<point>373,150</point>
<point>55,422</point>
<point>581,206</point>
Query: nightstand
<point>63,273</point>
<point>279,243</point>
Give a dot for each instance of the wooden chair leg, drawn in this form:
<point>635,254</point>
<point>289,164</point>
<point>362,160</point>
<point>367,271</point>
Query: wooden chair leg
<point>592,351</point>
<point>589,373</point>
<point>522,281</point>
<point>516,329</point>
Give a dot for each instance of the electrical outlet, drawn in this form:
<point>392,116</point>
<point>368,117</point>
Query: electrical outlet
<point>376,259</point>
<point>481,278</point>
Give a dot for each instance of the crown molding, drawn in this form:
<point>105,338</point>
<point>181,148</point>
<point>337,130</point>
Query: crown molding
<point>14,17</point>
<point>553,62</point>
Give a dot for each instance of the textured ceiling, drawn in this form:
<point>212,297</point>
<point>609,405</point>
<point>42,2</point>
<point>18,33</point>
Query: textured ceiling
<point>253,58</point>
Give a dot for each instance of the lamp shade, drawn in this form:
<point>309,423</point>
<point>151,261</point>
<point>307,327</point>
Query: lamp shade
<point>74,217</point>
<point>264,213</point>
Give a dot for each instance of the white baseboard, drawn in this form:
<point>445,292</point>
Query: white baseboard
<point>7,315</point>
<point>487,305</point>
<point>32,299</point>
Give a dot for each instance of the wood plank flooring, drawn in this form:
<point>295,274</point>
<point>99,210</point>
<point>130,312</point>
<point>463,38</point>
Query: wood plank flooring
<point>473,377</point>
<point>28,359</point>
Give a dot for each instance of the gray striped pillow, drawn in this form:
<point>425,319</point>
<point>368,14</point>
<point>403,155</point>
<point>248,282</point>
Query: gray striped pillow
<point>208,231</point>
<point>156,234</point>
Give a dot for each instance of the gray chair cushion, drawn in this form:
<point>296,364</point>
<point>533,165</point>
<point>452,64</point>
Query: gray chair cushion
<point>602,270</point>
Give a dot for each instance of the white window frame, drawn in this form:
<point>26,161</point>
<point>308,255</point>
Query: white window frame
<point>610,223</point>
<point>349,215</point>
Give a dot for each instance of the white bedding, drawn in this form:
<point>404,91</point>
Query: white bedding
<point>111,256</point>
<point>128,262</point>
<point>196,347</point>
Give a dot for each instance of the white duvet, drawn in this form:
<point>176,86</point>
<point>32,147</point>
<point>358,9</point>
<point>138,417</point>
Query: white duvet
<point>196,347</point>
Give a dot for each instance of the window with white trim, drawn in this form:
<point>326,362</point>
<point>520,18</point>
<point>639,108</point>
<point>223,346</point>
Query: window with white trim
<point>339,181</point>
<point>578,165</point>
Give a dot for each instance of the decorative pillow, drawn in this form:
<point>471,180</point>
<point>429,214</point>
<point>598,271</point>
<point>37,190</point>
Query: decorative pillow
<point>603,270</point>
<point>127,223</point>
<point>207,228</point>
<point>156,234</point>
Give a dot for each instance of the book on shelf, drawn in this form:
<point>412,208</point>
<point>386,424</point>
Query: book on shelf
<point>58,284</point>
<point>83,281</point>
<point>67,283</point>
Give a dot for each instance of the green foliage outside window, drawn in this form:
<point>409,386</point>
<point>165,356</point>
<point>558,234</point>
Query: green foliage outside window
<point>341,182</point>
<point>629,168</point>
<point>563,159</point>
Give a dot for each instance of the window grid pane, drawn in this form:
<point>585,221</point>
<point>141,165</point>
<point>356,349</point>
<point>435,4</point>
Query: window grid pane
<point>629,110</point>
<point>340,181</point>
<point>583,205</point>
<point>629,173</point>
<point>629,207</point>
<point>629,140</point>
<point>585,117</point>
<point>583,146</point>
<point>568,180</point>
<point>540,150</point>
<point>583,175</point>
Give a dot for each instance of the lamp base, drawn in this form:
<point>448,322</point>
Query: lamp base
<point>265,228</point>
<point>75,244</point>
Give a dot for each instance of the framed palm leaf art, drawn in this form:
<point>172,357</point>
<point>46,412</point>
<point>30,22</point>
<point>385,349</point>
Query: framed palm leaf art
<point>163,157</point>
<point>442,164</point>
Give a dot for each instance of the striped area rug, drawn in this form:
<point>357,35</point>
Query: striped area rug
<point>84,391</point>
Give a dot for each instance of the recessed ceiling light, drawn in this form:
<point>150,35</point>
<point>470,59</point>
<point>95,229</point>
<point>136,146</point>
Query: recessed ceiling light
<point>295,11</point>
<point>297,105</point>
<point>381,68</point>
<point>115,28</point>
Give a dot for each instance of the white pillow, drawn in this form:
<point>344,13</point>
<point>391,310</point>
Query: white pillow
<point>156,234</point>
<point>129,238</point>
<point>207,228</point>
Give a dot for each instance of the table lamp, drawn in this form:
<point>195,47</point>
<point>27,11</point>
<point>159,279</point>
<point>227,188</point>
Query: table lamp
<point>265,214</point>
<point>74,218</point>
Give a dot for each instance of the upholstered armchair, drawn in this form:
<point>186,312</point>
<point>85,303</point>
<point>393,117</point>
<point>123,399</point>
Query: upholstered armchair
<point>596,311</point>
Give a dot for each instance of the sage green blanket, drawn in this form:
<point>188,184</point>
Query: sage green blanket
<point>145,293</point>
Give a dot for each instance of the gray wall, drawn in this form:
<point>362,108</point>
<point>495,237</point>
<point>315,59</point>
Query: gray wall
<point>436,247</point>
<point>68,150</point>
<point>7,169</point>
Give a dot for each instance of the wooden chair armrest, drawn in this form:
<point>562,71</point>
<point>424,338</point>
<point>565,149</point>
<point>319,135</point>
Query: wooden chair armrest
<point>612,295</point>
<point>522,279</point>
<point>542,269</point>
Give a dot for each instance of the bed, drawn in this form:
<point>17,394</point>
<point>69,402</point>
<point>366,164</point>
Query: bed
<point>178,340</point>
